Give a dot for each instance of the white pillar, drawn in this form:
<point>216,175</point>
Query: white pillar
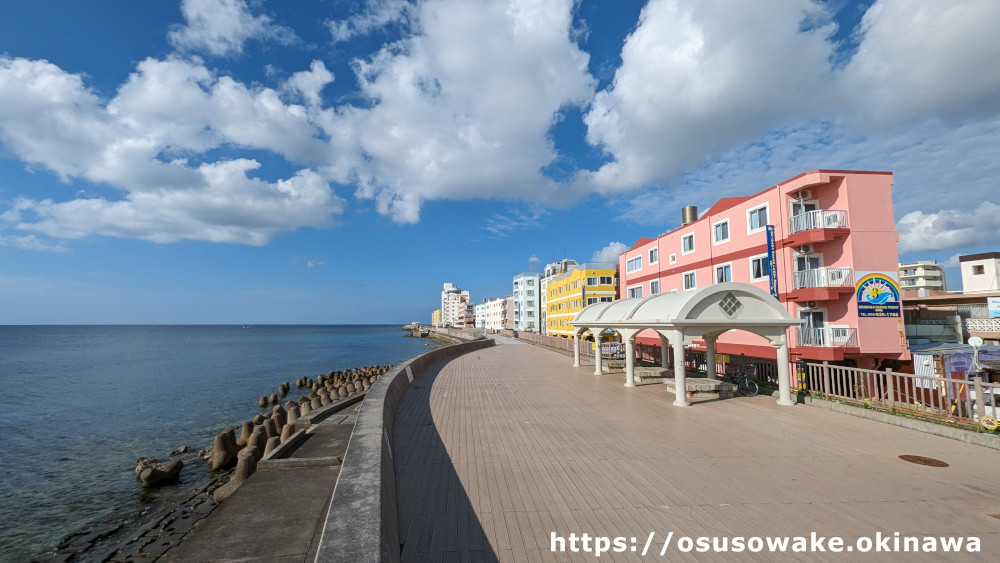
<point>598,370</point>
<point>680,377</point>
<point>576,350</point>
<point>710,371</point>
<point>629,360</point>
<point>784,385</point>
<point>664,354</point>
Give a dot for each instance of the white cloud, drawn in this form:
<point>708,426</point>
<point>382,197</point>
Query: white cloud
<point>315,263</point>
<point>224,206</point>
<point>926,59</point>
<point>376,14</point>
<point>138,143</point>
<point>30,242</point>
<point>609,254</point>
<point>949,228</point>
<point>462,109</point>
<point>697,77</point>
<point>309,83</point>
<point>534,260</point>
<point>221,27</point>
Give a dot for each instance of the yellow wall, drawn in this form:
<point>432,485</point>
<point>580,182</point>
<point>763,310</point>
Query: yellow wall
<point>435,317</point>
<point>568,295</point>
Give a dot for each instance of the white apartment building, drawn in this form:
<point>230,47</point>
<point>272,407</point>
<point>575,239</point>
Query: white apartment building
<point>551,270</point>
<point>526,301</point>
<point>453,305</point>
<point>922,276</point>
<point>494,313</point>
<point>980,272</point>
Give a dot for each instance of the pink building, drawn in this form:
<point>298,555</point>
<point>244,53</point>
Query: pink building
<point>834,264</point>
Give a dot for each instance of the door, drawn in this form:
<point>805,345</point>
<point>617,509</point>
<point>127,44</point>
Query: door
<point>813,333</point>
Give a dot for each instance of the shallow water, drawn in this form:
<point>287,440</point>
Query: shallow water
<point>82,403</point>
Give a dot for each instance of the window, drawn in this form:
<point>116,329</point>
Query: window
<point>635,291</point>
<point>978,270</point>
<point>530,292</point>
<point>673,258</point>
<point>654,287</point>
<point>723,273</point>
<point>687,244</point>
<point>721,231</point>
<point>756,219</point>
<point>690,281</point>
<point>634,264</point>
<point>591,281</point>
<point>910,272</point>
<point>607,280</point>
<point>909,282</point>
<point>591,300</point>
<point>607,299</point>
<point>759,268</point>
<point>654,255</point>
<point>531,303</point>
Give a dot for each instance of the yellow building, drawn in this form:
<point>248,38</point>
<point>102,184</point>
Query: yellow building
<point>436,317</point>
<point>569,293</point>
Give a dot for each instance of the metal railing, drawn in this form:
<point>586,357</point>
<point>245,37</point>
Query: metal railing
<point>955,400</point>
<point>827,337</point>
<point>818,219</point>
<point>823,277</point>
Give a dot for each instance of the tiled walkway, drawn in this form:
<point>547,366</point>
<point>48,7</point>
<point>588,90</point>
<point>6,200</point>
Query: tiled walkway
<point>499,448</point>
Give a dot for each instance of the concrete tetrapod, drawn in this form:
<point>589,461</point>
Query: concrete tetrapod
<point>246,465</point>
<point>223,452</point>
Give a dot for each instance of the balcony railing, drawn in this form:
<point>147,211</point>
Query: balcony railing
<point>827,337</point>
<point>823,277</point>
<point>819,219</point>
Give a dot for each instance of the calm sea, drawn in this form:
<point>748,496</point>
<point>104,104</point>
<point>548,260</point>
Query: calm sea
<point>82,403</point>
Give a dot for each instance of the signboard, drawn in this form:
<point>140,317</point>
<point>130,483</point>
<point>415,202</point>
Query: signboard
<point>993,305</point>
<point>877,294</point>
<point>772,264</point>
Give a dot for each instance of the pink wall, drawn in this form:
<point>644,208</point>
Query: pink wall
<point>870,246</point>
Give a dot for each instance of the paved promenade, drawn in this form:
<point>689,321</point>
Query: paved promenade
<point>497,449</point>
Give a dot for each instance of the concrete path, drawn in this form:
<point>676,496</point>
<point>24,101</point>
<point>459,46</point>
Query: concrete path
<point>500,448</point>
<point>278,514</point>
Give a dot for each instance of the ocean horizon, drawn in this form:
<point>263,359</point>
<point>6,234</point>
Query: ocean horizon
<point>87,400</point>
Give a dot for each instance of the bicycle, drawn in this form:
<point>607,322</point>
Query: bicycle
<point>745,380</point>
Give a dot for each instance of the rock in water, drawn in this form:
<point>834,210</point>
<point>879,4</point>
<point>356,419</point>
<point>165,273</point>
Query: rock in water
<point>158,474</point>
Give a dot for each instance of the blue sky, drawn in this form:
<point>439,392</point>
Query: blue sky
<point>233,161</point>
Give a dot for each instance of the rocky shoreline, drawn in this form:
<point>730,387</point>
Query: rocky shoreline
<point>182,491</point>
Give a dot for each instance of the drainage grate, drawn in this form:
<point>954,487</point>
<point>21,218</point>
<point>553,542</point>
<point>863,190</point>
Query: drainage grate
<point>921,460</point>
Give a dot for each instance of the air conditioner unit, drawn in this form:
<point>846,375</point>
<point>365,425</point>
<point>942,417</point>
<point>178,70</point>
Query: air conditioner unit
<point>802,194</point>
<point>804,249</point>
<point>809,305</point>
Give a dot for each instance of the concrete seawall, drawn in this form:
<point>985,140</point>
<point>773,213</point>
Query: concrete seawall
<point>361,524</point>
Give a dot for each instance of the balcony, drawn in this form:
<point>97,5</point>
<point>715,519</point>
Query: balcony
<point>825,343</point>
<point>821,284</point>
<point>816,226</point>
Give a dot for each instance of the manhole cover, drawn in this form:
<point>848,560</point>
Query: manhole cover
<point>921,460</point>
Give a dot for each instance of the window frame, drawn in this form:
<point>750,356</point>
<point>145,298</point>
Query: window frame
<point>715,226</point>
<point>727,265</point>
<point>634,291</point>
<point>694,277</point>
<point>629,268</point>
<point>654,255</point>
<point>765,268</point>
<point>767,211</point>
<point>654,287</point>
<point>694,246</point>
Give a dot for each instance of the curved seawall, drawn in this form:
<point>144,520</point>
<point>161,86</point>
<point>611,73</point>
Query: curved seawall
<point>362,523</point>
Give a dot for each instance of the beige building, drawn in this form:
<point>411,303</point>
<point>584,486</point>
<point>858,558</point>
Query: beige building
<point>924,277</point>
<point>980,272</point>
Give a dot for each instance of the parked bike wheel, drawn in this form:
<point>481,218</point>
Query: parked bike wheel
<point>748,387</point>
